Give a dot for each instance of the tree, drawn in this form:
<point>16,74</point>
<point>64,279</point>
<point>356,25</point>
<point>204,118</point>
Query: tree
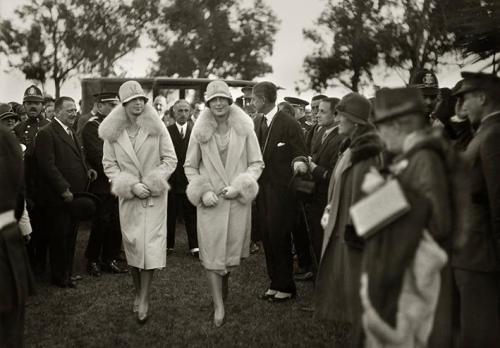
<point>65,37</point>
<point>346,46</point>
<point>476,25</point>
<point>219,37</point>
<point>414,35</point>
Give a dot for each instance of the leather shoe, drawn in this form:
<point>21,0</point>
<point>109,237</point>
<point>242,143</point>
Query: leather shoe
<point>269,294</point>
<point>76,278</point>
<point>71,284</point>
<point>282,297</point>
<point>304,276</point>
<point>113,267</point>
<point>94,269</point>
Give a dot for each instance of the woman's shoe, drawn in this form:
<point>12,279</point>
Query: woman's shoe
<point>219,322</point>
<point>142,317</point>
<point>135,308</point>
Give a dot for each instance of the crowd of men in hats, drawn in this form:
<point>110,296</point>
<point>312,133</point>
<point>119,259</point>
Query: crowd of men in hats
<point>424,275</point>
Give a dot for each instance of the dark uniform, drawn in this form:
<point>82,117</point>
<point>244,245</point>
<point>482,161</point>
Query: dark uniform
<point>299,106</point>
<point>26,133</point>
<point>105,236</point>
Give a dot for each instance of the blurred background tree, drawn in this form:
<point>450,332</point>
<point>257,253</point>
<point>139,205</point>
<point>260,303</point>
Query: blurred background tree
<point>58,39</point>
<point>200,38</point>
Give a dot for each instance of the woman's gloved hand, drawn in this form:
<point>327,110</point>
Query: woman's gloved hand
<point>325,217</point>
<point>141,190</point>
<point>230,192</point>
<point>209,199</point>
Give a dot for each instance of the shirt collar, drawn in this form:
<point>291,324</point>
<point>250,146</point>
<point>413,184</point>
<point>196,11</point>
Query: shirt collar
<point>270,115</point>
<point>179,127</point>
<point>66,128</point>
<point>6,218</point>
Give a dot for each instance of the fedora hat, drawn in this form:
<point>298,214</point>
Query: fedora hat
<point>83,206</point>
<point>217,88</point>
<point>131,90</point>
<point>395,102</point>
<point>354,107</point>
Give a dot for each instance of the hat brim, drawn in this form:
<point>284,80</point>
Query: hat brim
<point>352,118</point>
<point>222,95</point>
<point>135,97</point>
<point>33,99</point>
<point>8,115</point>
<point>465,89</point>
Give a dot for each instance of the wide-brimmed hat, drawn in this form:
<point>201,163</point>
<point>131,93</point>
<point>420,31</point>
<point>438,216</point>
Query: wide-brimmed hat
<point>7,112</point>
<point>83,206</point>
<point>475,81</point>
<point>354,107</point>
<point>33,94</point>
<point>390,103</point>
<point>426,81</point>
<point>131,90</point>
<point>217,88</point>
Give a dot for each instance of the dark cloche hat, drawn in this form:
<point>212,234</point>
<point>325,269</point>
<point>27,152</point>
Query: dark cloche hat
<point>33,94</point>
<point>391,103</point>
<point>354,107</point>
<point>296,101</point>
<point>426,81</point>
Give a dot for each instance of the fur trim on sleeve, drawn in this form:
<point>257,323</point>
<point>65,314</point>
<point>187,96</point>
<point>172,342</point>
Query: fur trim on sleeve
<point>121,185</point>
<point>247,186</point>
<point>197,188</point>
<point>156,182</point>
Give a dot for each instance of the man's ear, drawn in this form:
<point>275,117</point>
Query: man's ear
<point>482,97</point>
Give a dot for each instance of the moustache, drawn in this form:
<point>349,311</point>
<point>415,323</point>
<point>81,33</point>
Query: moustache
<point>33,109</point>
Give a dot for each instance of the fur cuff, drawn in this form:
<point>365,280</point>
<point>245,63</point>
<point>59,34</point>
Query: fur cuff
<point>196,188</point>
<point>121,185</point>
<point>156,182</point>
<point>247,186</point>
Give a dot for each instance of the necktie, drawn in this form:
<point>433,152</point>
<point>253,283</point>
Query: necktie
<point>182,132</point>
<point>263,132</point>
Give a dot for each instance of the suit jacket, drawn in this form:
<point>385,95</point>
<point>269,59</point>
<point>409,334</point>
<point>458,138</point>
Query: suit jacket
<point>284,142</point>
<point>92,145</point>
<point>313,137</point>
<point>478,247</point>
<point>61,164</point>
<point>326,157</point>
<point>178,181</point>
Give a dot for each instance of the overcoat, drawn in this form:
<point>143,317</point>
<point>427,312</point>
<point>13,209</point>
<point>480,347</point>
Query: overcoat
<point>223,230</point>
<point>337,283</point>
<point>150,161</point>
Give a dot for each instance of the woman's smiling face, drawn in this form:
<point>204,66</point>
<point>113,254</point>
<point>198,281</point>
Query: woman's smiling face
<point>219,106</point>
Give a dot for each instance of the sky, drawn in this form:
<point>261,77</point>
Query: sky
<point>289,52</point>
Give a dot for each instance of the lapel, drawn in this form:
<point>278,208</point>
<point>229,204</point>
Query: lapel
<point>276,120</point>
<point>124,141</point>
<point>212,153</point>
<point>325,144</point>
<point>236,144</point>
<point>61,132</point>
<point>141,138</point>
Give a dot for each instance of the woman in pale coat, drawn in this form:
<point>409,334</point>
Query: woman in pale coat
<point>138,158</point>
<point>223,163</point>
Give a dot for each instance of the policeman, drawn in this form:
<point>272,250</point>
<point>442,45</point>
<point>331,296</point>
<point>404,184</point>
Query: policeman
<point>426,81</point>
<point>300,111</point>
<point>26,133</point>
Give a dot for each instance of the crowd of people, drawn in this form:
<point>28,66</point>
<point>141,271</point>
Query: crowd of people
<point>390,206</point>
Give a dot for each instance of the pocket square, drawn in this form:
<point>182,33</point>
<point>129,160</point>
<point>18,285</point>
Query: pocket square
<point>280,144</point>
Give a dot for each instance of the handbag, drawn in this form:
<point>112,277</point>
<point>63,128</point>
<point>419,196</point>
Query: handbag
<point>379,209</point>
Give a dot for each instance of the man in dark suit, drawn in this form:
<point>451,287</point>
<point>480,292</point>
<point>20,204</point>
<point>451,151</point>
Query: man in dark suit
<point>105,238</point>
<point>315,133</point>
<point>321,164</point>
<point>178,204</point>
<point>62,171</point>
<point>476,257</point>
<point>281,140</point>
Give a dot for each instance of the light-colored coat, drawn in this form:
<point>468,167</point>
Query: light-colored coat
<point>151,161</point>
<point>223,230</point>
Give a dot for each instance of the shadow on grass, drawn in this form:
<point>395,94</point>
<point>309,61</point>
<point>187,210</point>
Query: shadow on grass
<point>99,312</point>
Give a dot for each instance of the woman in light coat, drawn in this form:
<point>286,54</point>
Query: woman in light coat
<point>223,163</point>
<point>138,158</point>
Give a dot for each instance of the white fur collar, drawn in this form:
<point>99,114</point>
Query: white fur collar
<point>114,124</point>
<point>206,125</point>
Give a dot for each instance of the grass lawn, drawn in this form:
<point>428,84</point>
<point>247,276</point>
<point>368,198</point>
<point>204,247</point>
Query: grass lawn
<point>99,312</point>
